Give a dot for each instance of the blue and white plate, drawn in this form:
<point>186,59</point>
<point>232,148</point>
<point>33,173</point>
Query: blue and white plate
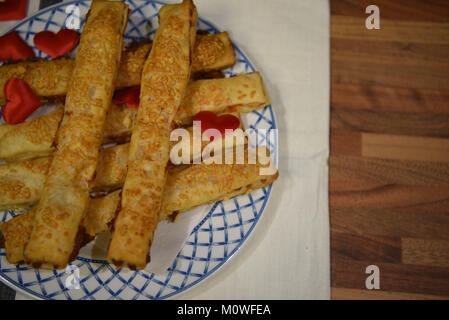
<point>225,227</point>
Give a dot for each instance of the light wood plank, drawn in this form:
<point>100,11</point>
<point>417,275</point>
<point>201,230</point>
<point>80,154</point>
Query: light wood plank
<point>405,147</point>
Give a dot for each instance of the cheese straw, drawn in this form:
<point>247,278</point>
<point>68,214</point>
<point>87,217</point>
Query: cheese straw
<point>16,232</point>
<point>35,138</point>
<point>185,189</point>
<point>206,183</point>
<point>22,182</point>
<point>164,80</point>
<point>65,196</point>
<point>242,93</point>
<point>50,78</point>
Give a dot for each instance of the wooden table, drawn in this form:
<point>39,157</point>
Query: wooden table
<point>389,163</point>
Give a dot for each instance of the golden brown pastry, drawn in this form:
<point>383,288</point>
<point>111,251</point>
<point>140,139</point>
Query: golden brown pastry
<point>4,129</point>
<point>212,52</point>
<point>65,195</point>
<point>182,149</point>
<point>164,80</point>
<point>100,213</point>
<point>47,78</point>
<point>205,183</point>
<point>16,232</point>
<point>185,189</point>
<point>131,67</point>
<point>22,182</point>
<point>119,125</point>
<point>50,78</point>
<point>31,139</point>
<point>34,138</point>
<point>242,93</point>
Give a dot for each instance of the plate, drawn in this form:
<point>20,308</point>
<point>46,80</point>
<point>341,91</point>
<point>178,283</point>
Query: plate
<point>226,224</point>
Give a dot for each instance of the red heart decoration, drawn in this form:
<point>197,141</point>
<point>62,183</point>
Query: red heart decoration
<point>130,96</point>
<point>13,47</point>
<point>210,120</point>
<point>56,44</point>
<point>13,9</point>
<point>21,101</point>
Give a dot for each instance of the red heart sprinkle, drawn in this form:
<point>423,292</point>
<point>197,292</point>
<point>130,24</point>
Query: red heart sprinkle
<point>13,47</point>
<point>13,9</point>
<point>21,103</point>
<point>56,44</point>
<point>130,96</point>
<point>210,120</point>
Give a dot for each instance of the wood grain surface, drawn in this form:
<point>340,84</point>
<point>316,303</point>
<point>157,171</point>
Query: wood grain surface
<point>389,163</point>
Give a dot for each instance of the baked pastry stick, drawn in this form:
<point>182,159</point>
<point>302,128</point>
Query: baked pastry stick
<point>47,78</point>
<point>30,139</point>
<point>65,195</point>
<point>206,183</point>
<point>183,150</point>
<point>212,52</point>
<point>35,138</point>
<point>185,189</point>
<point>242,93</point>
<point>50,78</point>
<point>164,79</point>
<point>4,128</point>
<point>16,232</point>
<point>22,182</point>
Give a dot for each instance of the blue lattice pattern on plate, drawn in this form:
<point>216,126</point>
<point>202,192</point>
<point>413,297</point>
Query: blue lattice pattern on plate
<point>212,242</point>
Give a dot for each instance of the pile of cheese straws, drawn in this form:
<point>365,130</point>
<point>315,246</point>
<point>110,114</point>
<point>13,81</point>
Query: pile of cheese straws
<point>55,163</point>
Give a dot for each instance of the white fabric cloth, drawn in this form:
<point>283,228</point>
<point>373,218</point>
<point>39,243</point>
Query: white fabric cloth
<point>288,254</point>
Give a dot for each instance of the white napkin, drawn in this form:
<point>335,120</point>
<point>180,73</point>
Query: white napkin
<point>169,239</point>
<point>287,256</point>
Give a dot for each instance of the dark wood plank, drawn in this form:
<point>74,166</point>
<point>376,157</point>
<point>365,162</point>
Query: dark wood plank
<point>388,196</point>
<point>389,99</point>
<point>359,294</point>
<point>391,52</point>
<point>384,171</point>
<point>390,122</point>
<point>389,74</point>
<point>345,143</point>
<point>354,28</point>
<point>366,247</point>
<point>350,273</point>
<point>394,55</point>
<point>402,10</point>
<point>423,221</point>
